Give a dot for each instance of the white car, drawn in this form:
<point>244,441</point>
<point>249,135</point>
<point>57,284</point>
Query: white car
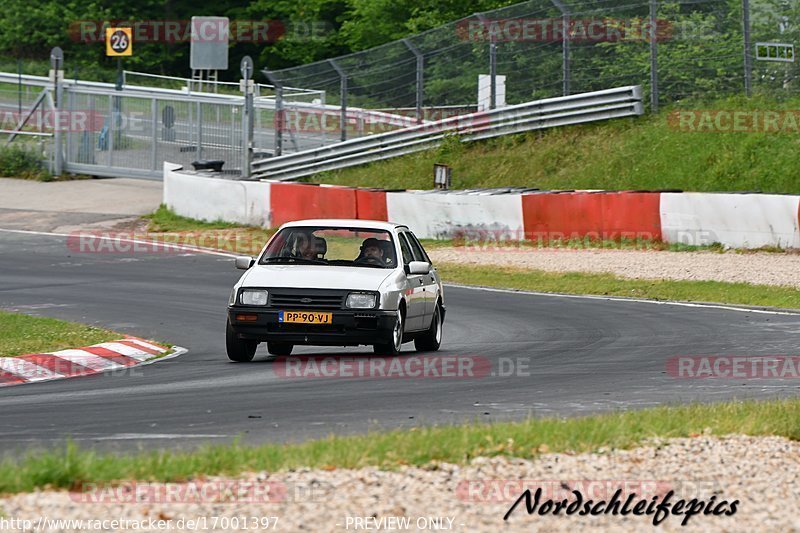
<point>336,283</point>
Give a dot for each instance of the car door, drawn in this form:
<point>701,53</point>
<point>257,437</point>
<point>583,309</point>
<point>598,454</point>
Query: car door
<point>430,286</point>
<point>415,290</point>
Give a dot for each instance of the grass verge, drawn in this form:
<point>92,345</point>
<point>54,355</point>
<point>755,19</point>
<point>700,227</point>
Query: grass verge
<point>647,152</point>
<point>610,285</point>
<point>73,467</point>
<point>22,334</point>
<point>219,235</point>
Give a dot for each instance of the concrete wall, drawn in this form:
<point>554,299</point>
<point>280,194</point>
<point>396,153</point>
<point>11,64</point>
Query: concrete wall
<point>734,220</point>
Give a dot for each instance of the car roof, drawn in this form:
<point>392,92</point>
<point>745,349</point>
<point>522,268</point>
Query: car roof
<point>345,223</point>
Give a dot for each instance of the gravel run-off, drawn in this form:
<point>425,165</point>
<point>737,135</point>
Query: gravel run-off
<point>763,473</point>
<point>761,268</point>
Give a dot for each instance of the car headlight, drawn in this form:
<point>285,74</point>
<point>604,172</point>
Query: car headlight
<point>253,297</point>
<point>232,297</point>
<point>360,300</point>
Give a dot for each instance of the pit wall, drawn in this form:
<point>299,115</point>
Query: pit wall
<point>747,220</point>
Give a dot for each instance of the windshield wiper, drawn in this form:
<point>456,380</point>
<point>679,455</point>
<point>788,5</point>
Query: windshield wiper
<point>286,259</point>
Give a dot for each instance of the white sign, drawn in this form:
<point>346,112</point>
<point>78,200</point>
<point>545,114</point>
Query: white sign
<point>209,44</point>
<point>485,91</point>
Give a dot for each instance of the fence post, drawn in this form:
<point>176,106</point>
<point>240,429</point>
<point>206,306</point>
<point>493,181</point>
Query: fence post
<point>420,79</point>
<point>653,57</point>
<point>19,87</point>
<point>246,68</point>
<point>279,112</point>
<point>342,99</point>
<point>154,132</point>
<point>57,65</point>
<point>565,68</point>
<point>748,67</point>
<point>492,61</point>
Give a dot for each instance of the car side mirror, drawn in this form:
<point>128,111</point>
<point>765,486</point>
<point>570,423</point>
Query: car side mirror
<point>244,262</point>
<point>419,267</point>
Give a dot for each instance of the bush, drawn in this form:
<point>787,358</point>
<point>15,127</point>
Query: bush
<point>21,162</point>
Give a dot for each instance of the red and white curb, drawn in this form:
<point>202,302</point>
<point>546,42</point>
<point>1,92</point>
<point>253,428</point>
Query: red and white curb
<point>95,359</point>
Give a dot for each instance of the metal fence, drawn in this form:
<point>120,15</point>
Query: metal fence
<point>539,114</point>
<point>676,49</point>
<point>131,129</point>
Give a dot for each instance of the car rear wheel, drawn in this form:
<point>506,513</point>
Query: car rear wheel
<point>396,341</point>
<point>239,350</point>
<point>431,339</point>
<point>280,348</point>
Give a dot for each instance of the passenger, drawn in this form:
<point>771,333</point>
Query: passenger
<point>371,249</point>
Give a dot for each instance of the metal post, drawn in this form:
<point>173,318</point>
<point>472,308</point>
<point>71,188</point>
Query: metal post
<point>246,68</point>
<point>748,67</point>
<point>19,86</point>
<point>653,57</point>
<point>565,69</point>
<point>57,64</point>
<point>199,130</point>
<point>342,99</point>
<point>492,62</point>
<point>154,134</point>
<point>493,74</point>
<point>279,112</point>
<point>420,66</point>
<point>111,130</point>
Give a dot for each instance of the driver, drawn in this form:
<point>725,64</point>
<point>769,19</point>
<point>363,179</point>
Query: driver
<point>371,249</point>
<point>305,246</point>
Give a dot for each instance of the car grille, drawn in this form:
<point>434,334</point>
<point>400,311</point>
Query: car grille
<point>307,300</point>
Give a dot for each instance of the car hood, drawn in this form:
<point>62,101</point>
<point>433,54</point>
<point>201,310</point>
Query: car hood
<point>316,277</point>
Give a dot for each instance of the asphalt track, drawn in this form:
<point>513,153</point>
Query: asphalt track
<point>583,356</point>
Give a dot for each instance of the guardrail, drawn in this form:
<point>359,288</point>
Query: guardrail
<point>539,114</point>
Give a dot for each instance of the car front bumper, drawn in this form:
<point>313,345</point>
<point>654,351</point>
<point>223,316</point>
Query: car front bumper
<point>348,327</point>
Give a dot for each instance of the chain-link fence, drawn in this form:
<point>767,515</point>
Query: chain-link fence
<point>676,50</point>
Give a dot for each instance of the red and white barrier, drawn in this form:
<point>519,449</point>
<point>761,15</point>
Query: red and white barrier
<point>95,359</point>
<point>733,220</point>
<point>440,216</point>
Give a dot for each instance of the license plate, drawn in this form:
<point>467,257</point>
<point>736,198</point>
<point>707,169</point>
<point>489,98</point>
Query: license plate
<point>305,317</point>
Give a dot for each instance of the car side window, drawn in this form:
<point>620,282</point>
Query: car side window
<point>416,246</point>
<point>406,249</point>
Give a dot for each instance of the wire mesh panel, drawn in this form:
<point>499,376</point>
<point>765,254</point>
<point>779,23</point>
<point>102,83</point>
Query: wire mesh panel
<point>676,50</point>
<point>130,133</point>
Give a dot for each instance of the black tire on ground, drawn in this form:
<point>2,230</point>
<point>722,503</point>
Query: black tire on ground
<point>431,339</point>
<point>239,350</point>
<point>393,344</point>
<point>280,348</point>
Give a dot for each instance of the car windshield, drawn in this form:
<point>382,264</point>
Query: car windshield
<point>356,247</point>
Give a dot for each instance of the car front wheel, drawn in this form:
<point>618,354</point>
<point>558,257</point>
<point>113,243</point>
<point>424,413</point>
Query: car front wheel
<point>431,339</point>
<point>239,350</point>
<point>396,341</point>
